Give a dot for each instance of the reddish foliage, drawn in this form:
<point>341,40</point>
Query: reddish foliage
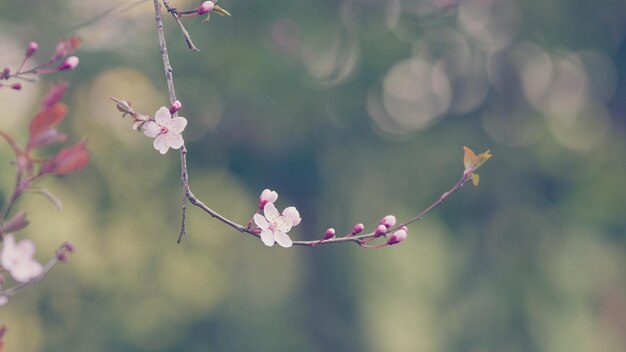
<point>42,130</point>
<point>54,96</point>
<point>67,161</point>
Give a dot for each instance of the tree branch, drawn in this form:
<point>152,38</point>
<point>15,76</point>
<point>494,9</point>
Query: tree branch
<point>183,30</point>
<point>184,175</point>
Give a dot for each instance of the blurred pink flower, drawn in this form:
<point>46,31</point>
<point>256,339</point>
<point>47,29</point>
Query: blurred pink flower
<point>165,130</point>
<point>17,259</point>
<point>274,226</point>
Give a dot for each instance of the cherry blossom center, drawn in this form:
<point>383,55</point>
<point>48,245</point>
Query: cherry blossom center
<point>280,224</point>
<point>164,130</point>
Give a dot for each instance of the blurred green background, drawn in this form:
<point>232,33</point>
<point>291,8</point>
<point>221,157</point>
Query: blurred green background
<point>351,110</point>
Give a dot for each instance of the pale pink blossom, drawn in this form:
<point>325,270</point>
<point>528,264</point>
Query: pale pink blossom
<point>17,259</point>
<point>274,226</point>
<point>165,130</point>
<point>267,196</point>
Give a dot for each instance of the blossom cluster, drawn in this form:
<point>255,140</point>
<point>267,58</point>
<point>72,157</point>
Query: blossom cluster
<point>273,225</point>
<point>165,128</point>
<point>60,60</point>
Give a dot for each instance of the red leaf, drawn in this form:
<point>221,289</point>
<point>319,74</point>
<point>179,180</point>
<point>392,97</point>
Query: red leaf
<point>67,161</point>
<point>16,223</point>
<point>54,95</point>
<point>46,138</point>
<point>46,119</point>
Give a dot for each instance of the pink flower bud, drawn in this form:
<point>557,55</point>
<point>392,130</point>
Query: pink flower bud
<point>69,247</point>
<point>61,256</point>
<point>6,73</point>
<point>404,228</point>
<point>267,196</point>
<point>206,7</point>
<point>69,64</point>
<point>358,228</point>
<point>175,106</point>
<point>380,230</point>
<point>31,49</point>
<point>388,221</point>
<point>397,237</point>
<point>16,86</point>
<point>330,233</point>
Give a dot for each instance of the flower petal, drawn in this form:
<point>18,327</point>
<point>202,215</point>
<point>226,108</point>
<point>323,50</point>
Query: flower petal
<point>175,141</point>
<point>26,271</point>
<point>261,222</point>
<point>160,144</point>
<point>268,196</point>
<point>268,238</point>
<point>293,214</point>
<point>283,239</point>
<point>151,129</point>
<point>178,124</point>
<point>26,248</point>
<point>162,116</point>
<point>270,211</point>
<point>8,250</point>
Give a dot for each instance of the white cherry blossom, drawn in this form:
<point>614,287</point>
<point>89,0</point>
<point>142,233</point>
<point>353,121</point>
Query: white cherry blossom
<point>166,130</point>
<point>17,259</point>
<point>274,226</point>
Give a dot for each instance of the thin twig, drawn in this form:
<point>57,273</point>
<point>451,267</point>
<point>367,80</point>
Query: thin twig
<point>466,177</point>
<point>183,30</point>
<point>184,179</point>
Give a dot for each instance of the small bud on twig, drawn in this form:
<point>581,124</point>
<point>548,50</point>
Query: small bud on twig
<point>397,237</point>
<point>330,233</point>
<point>69,64</point>
<point>6,73</point>
<point>358,228</point>
<point>380,230</point>
<point>205,7</point>
<point>31,49</point>
<point>388,221</point>
<point>175,107</point>
<point>267,196</point>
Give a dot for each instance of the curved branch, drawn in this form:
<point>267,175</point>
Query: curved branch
<point>189,196</point>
